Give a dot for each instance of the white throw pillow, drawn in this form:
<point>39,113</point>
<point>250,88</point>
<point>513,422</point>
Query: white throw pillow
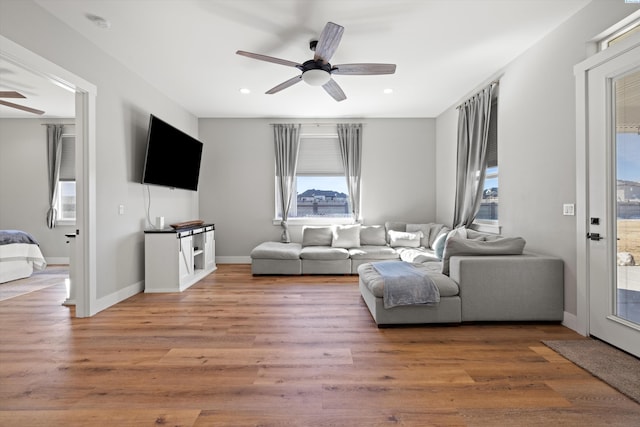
<point>404,239</point>
<point>346,236</point>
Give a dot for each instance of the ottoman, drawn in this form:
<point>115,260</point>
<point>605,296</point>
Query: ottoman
<point>448,310</point>
<point>276,258</point>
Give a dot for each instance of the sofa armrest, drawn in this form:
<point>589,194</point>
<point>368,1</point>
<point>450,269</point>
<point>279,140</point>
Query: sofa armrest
<point>524,287</point>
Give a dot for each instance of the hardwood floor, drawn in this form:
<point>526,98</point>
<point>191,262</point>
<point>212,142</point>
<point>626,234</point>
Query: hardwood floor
<point>237,350</point>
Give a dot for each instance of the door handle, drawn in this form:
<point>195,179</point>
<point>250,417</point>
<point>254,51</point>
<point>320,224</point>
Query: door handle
<point>594,236</point>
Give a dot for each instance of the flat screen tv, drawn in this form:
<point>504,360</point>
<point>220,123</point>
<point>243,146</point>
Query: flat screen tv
<point>172,158</point>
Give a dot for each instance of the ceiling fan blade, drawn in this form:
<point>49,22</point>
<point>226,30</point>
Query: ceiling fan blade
<point>21,107</point>
<point>268,59</point>
<point>284,85</point>
<point>334,90</point>
<point>328,42</point>
<point>11,94</point>
<point>363,69</point>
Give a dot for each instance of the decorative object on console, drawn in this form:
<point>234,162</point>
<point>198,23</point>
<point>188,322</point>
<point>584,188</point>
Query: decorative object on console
<point>187,224</point>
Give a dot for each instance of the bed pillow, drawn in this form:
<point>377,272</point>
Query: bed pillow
<point>316,236</point>
<point>372,235</point>
<point>346,236</point>
<point>460,246</point>
<point>404,239</point>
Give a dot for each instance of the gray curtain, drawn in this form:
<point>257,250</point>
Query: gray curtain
<point>287,145</point>
<point>473,131</point>
<point>54,156</point>
<point>350,142</point>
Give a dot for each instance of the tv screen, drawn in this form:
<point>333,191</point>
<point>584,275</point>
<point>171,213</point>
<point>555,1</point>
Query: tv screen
<point>173,157</point>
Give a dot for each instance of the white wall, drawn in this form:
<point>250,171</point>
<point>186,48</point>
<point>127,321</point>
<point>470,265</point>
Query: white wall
<point>124,102</point>
<point>536,139</point>
<point>24,191</point>
<point>237,178</point>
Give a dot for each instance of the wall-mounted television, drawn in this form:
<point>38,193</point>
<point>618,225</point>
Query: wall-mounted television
<point>172,158</point>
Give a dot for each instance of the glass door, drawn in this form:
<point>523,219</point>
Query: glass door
<point>626,91</point>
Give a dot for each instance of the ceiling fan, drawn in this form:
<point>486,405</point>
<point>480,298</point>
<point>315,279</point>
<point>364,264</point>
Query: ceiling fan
<point>318,71</point>
<point>14,94</point>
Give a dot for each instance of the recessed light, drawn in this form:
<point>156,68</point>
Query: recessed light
<point>99,21</point>
<point>245,91</point>
<point>387,91</point>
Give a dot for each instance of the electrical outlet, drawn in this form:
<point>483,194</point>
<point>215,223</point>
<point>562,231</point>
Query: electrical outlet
<point>121,210</point>
<point>569,209</point>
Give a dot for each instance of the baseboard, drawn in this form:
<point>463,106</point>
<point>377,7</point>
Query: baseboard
<point>119,296</point>
<point>57,260</point>
<point>570,321</point>
<point>233,260</point>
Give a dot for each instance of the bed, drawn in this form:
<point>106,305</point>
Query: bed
<point>19,255</point>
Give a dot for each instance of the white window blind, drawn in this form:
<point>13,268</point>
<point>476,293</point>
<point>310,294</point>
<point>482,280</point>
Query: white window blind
<point>68,161</point>
<point>319,156</point>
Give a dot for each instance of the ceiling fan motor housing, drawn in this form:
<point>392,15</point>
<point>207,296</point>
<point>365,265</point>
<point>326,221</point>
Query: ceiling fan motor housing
<point>316,73</point>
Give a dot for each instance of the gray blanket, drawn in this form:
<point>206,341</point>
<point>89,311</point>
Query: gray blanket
<point>404,284</point>
<point>16,236</point>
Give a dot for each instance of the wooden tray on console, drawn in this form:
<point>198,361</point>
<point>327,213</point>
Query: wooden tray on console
<point>187,224</point>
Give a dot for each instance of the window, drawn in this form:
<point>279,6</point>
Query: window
<point>626,31</point>
<point>488,212</point>
<point>321,187</point>
<point>66,202</point>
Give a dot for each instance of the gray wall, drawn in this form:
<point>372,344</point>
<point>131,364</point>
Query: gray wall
<point>24,191</point>
<point>536,140</point>
<point>123,104</point>
<point>237,178</point>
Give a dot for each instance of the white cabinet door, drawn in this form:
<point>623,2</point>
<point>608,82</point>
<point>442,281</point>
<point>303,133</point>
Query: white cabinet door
<point>185,259</point>
<point>209,250</point>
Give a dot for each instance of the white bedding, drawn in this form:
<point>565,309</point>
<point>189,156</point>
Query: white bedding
<point>18,260</point>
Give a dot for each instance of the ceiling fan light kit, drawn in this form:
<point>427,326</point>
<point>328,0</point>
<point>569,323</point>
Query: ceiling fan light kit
<point>318,71</point>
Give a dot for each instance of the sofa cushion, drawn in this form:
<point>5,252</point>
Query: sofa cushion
<point>417,255</point>
<point>373,252</point>
<point>276,250</point>
<point>424,228</point>
<point>372,235</point>
<point>404,239</point>
<point>375,282</point>
<point>316,236</point>
<point>346,236</point>
<point>460,246</point>
<point>323,253</point>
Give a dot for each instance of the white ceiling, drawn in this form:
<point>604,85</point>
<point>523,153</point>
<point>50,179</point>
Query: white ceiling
<point>186,48</point>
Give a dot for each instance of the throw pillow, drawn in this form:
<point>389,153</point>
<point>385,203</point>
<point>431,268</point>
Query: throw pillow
<point>434,232</point>
<point>346,236</point>
<point>404,239</point>
<point>372,235</point>
<point>440,240</point>
<point>317,236</point>
<point>425,228</point>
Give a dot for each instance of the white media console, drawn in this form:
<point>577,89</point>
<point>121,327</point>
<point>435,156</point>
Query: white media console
<point>177,259</point>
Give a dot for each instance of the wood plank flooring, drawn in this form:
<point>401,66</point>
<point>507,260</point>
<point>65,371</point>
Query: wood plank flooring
<point>236,350</point>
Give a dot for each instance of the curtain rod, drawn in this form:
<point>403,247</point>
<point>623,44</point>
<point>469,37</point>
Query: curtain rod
<point>63,124</point>
<point>495,82</point>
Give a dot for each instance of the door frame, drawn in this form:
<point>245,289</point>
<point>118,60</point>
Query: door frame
<point>581,321</point>
<point>85,254</point>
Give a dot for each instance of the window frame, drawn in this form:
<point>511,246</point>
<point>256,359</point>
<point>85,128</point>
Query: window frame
<point>309,133</point>
<point>492,225</point>
<point>60,220</point>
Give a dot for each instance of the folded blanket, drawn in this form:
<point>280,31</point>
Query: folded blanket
<point>404,284</point>
<point>8,237</point>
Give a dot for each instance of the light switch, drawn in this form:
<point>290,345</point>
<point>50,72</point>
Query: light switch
<point>569,209</point>
<point>121,210</point>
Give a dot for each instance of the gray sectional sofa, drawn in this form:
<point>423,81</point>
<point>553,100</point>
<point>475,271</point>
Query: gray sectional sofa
<point>479,276</point>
